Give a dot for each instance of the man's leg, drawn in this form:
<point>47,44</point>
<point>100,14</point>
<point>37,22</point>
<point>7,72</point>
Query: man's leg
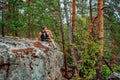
<point>53,43</point>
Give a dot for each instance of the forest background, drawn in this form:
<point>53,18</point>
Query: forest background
<point>88,31</point>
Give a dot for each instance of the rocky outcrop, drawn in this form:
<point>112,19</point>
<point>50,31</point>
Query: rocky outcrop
<point>29,60</point>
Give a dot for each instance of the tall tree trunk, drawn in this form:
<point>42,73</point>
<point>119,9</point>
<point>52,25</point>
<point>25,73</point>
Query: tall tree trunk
<point>68,24</point>
<point>90,3</point>
<point>101,42</point>
<point>63,40</point>
<point>16,32</point>
<point>91,18</point>
<point>113,47</point>
<point>2,25</point>
<point>29,19</point>
<point>14,17</point>
<point>73,52</point>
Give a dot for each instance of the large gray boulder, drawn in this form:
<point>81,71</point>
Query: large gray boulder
<point>22,59</point>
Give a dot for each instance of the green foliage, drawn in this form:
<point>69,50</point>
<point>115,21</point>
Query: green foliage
<point>106,71</point>
<point>88,61</point>
<point>117,68</point>
<point>86,50</point>
<point>27,18</point>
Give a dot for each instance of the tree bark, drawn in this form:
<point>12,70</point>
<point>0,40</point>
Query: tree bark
<point>16,33</point>
<point>113,59</point>
<point>29,20</point>
<point>113,52</point>
<point>101,42</point>
<point>68,24</point>
<point>2,25</point>
<point>90,28</point>
<point>73,52</point>
<point>63,40</point>
<point>113,47</point>
<point>15,19</point>
<point>90,3</point>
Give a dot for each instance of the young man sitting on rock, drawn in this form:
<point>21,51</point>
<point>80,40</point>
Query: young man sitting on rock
<point>46,35</point>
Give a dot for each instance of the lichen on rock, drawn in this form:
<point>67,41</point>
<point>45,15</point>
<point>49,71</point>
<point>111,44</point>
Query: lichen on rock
<point>22,59</point>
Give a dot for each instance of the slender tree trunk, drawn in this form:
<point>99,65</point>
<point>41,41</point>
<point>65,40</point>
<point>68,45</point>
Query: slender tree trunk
<point>113,47</point>
<point>63,40</point>
<point>14,17</point>
<point>32,28</point>
<point>29,19</point>
<point>73,30</point>
<point>101,42</point>
<point>90,3</point>
<point>16,32</point>
<point>74,17</point>
<point>113,59</point>
<point>2,25</point>
<point>91,18</point>
<point>82,10</point>
<point>68,24</point>
<point>113,53</point>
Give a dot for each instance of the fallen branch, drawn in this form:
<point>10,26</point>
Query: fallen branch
<point>108,65</point>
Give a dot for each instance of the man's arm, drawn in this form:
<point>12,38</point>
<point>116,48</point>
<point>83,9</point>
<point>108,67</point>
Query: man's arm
<point>50,33</point>
<point>39,36</point>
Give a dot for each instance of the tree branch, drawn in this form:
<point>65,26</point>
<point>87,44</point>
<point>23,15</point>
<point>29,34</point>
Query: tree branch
<point>91,25</point>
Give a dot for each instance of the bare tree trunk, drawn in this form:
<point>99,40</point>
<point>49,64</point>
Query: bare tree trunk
<point>16,33</point>
<point>63,40</point>
<point>113,53</point>
<point>15,18</point>
<point>113,47</point>
<point>101,42</point>
<point>90,3</point>
<point>113,59</point>
<point>91,18</point>
<point>2,25</point>
<point>68,24</point>
<point>73,30</point>
<point>32,30</point>
<point>29,20</point>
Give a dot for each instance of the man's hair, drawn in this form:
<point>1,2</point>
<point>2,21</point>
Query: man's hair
<point>43,27</point>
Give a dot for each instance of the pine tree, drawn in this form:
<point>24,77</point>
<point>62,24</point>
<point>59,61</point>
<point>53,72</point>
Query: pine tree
<point>101,41</point>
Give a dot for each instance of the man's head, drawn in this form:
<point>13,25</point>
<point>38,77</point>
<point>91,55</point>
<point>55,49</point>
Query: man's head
<point>44,28</point>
